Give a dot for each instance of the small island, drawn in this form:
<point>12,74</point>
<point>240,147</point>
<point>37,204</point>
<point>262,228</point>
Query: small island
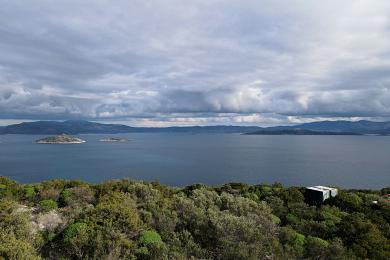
<point>60,139</point>
<point>114,139</point>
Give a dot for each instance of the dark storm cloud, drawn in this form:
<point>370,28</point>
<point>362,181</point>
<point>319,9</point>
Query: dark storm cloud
<point>197,62</point>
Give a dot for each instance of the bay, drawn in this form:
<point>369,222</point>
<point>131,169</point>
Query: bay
<point>213,159</point>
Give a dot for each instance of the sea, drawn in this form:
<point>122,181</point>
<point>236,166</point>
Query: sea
<point>180,159</point>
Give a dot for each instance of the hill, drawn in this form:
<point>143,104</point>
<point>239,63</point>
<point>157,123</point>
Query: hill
<point>296,131</point>
<point>361,127</point>
<point>125,219</point>
<point>86,127</point>
<point>66,127</point>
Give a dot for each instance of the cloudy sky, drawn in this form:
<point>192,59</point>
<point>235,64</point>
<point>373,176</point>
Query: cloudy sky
<point>175,62</point>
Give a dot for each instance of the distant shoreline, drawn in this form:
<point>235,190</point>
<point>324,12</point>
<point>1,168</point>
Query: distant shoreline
<point>86,127</point>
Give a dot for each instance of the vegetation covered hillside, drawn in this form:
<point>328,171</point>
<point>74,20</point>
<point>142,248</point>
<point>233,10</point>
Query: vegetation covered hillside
<point>126,219</point>
<point>60,139</point>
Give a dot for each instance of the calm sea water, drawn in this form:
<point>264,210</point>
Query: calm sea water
<point>183,159</point>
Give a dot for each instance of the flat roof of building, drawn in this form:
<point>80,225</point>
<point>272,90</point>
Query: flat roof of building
<point>320,188</point>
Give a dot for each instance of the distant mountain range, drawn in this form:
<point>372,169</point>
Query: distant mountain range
<point>297,132</point>
<point>86,127</point>
<point>359,127</point>
<point>66,127</point>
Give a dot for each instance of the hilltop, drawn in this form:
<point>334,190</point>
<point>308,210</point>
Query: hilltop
<point>359,127</point>
<point>297,131</point>
<point>125,219</point>
<point>87,127</point>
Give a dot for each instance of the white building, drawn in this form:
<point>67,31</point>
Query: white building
<point>320,193</point>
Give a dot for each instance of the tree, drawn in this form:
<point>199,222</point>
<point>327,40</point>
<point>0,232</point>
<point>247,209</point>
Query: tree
<point>316,248</point>
<point>364,237</point>
<point>349,201</point>
<point>76,238</point>
<point>16,249</point>
<point>292,241</point>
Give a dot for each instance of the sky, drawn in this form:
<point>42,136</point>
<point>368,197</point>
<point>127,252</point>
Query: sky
<point>197,62</point>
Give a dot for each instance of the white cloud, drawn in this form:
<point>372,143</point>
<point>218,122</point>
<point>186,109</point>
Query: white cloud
<point>174,62</point>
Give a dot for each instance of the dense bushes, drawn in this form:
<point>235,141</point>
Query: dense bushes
<point>124,219</point>
<point>48,205</point>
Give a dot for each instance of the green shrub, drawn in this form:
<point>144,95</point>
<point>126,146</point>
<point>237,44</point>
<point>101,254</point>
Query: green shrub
<point>8,188</point>
<point>275,219</point>
<point>287,235</point>
<point>150,237</point>
<point>349,200</point>
<point>77,239</point>
<point>48,205</point>
<point>13,248</point>
<point>66,196</point>
<point>143,250</point>
<point>29,192</point>
<point>73,231</point>
<point>316,247</point>
<point>291,218</point>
